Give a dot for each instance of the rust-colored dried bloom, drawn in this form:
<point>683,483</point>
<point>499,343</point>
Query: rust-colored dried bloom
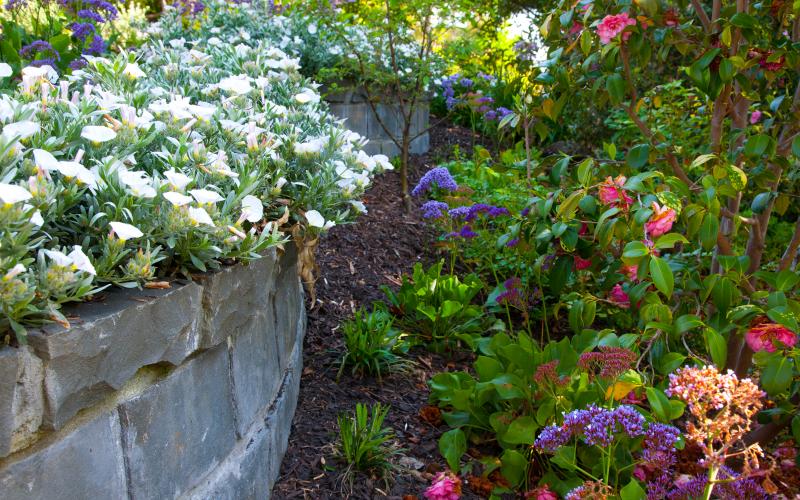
<point>546,374</point>
<point>610,362</point>
<point>594,490</point>
<point>720,409</point>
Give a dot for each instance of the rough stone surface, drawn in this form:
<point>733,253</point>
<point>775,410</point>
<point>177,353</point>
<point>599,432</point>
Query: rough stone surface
<point>255,368</point>
<point>287,304</point>
<point>210,420</point>
<point>21,398</point>
<point>232,295</point>
<point>111,341</point>
<point>180,429</point>
<point>85,464</point>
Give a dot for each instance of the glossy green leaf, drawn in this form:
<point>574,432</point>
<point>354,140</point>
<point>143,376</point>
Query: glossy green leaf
<point>452,446</point>
<point>662,275</point>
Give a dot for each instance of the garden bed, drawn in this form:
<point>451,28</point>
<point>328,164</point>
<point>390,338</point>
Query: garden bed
<point>355,261</point>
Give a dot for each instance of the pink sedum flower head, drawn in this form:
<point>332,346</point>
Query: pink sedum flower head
<point>541,493</point>
<point>770,337</point>
<point>661,221</point>
<point>613,25</point>
<point>619,297</point>
<point>613,194</point>
<point>446,486</point>
<point>755,117</point>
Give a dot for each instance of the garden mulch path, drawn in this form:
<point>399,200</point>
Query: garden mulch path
<point>355,260</point>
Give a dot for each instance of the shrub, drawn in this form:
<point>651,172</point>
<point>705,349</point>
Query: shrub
<point>165,162</point>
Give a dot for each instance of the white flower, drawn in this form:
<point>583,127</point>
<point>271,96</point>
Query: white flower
<point>98,134</point>
<point>177,199</point>
<point>205,196</point>
<point>307,96</point>
<point>200,216</point>
<point>20,130</point>
<point>133,71</point>
<point>37,219</point>
<point>138,182</point>
<point>315,219</point>
<point>383,162</point>
<point>81,261</point>
<point>280,183</point>
<point>252,209</point>
<point>312,29</point>
<point>235,85</point>
<point>73,169</point>
<point>59,258</point>
<point>178,180</point>
<point>311,147</point>
<point>5,70</point>
<point>125,231</point>
<point>214,41</point>
<point>11,193</point>
<point>359,206</point>
<point>14,272</point>
<point>44,160</point>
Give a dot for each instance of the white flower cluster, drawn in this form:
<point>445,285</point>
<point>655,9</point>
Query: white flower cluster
<point>174,158</point>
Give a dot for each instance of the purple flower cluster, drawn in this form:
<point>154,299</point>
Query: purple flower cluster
<point>595,425</point>
<point>41,53</point>
<point>737,489</point>
<point>470,213</point>
<point>189,7</point>
<point>82,30</point>
<point>91,9</point>
<point>434,209</point>
<point>97,46</point>
<point>513,295</point>
<point>439,176</point>
<point>658,447</point>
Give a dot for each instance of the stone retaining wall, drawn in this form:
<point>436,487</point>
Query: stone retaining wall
<point>187,392</point>
<point>352,106</point>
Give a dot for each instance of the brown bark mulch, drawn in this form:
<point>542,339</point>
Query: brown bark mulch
<point>355,260</point>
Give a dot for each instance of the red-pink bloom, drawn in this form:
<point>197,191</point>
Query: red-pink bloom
<point>770,337</point>
<point>612,26</point>
<point>661,221</point>
<point>446,486</point>
<point>640,473</point>
<point>612,193</point>
<point>755,117</point>
<point>576,28</point>
<point>581,263</point>
<point>630,271</point>
<point>541,493</point>
<point>619,297</point>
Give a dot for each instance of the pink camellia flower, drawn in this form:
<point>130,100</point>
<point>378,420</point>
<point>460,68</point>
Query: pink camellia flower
<point>541,493</point>
<point>612,193</point>
<point>661,221</point>
<point>770,337</point>
<point>446,486</point>
<point>613,25</point>
<point>581,263</point>
<point>576,28</point>
<point>755,117</point>
<point>619,297</point>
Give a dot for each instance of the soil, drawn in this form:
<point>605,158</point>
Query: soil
<point>355,260</point>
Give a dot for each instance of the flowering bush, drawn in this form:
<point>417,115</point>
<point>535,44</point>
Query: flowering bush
<point>59,34</point>
<point>660,240</point>
<point>174,156</point>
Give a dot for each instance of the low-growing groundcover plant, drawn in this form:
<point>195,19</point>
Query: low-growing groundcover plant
<point>373,346</point>
<point>167,161</point>
<point>364,444</point>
